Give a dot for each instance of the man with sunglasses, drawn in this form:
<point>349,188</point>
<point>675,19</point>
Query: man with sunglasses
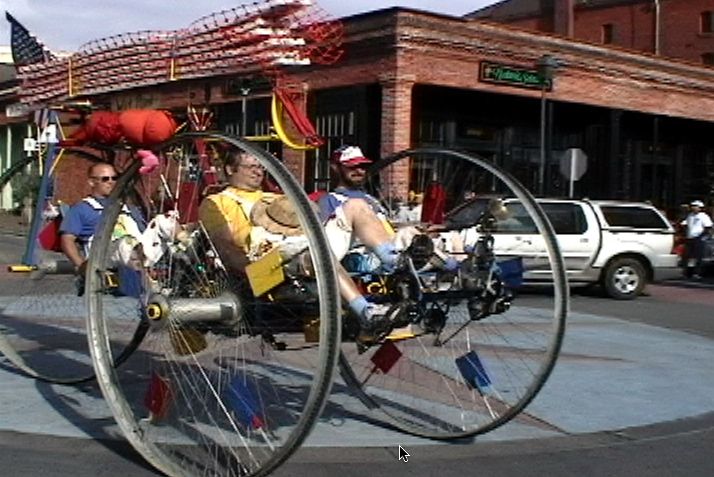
<point>80,223</point>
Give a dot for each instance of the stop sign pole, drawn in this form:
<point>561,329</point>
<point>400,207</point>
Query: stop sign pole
<point>573,165</point>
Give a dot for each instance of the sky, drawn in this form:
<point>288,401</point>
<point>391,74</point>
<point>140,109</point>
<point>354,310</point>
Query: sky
<point>67,24</point>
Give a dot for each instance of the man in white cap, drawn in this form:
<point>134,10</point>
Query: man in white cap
<point>348,206</point>
<point>698,225</point>
<point>353,216</point>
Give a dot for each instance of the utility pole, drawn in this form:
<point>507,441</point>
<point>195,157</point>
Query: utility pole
<point>546,66</point>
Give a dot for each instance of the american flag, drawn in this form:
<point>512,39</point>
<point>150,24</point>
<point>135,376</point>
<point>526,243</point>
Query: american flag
<point>26,49</point>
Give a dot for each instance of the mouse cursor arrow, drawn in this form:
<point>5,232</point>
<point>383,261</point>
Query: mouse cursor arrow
<point>403,454</point>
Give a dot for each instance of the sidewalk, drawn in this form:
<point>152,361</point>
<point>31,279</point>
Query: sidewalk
<point>611,374</point>
<point>13,224</point>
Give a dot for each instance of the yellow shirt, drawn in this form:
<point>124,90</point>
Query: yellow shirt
<point>230,207</point>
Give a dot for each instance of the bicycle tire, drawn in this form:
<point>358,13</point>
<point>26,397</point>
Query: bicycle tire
<point>200,428</point>
<point>424,393</point>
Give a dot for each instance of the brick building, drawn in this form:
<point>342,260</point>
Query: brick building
<point>641,119</point>
<point>410,78</point>
<point>673,28</point>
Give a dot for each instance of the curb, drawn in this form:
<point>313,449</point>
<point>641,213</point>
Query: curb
<point>706,284</point>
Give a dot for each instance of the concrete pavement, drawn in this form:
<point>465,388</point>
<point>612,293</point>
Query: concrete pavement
<point>612,374</point>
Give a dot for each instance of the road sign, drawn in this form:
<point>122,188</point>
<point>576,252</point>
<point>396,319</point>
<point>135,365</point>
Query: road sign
<point>48,135</point>
<point>573,164</point>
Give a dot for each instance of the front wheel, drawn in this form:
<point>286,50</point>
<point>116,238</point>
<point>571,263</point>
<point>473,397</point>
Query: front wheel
<point>222,384</point>
<point>464,366</point>
<point>625,278</point>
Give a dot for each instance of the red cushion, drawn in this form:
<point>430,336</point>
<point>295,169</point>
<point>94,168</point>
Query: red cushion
<point>103,127</point>
<point>159,127</point>
<point>146,127</point>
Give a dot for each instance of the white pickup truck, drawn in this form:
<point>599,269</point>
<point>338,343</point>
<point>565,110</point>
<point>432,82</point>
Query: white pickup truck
<point>621,245</point>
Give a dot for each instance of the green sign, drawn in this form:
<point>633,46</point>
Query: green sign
<point>511,76</point>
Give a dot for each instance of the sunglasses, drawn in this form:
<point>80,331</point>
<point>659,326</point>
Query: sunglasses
<point>356,166</point>
<point>106,178</point>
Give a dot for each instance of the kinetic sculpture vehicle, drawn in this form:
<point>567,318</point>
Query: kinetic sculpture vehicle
<point>212,372</point>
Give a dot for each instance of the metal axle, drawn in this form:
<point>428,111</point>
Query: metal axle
<point>223,308</point>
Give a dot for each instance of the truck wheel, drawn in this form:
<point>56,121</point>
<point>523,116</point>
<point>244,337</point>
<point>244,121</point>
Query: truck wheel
<point>625,278</point>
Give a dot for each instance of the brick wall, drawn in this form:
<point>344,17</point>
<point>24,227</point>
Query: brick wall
<point>634,27</point>
<point>71,178</point>
<point>398,49</point>
<point>396,130</point>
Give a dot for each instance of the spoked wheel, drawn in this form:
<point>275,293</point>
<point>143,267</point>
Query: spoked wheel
<point>469,355</point>
<point>224,383</point>
<point>42,312</point>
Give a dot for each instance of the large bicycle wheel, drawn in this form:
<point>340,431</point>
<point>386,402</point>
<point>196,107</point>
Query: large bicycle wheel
<point>224,382</point>
<point>471,352</point>
<point>42,312</point>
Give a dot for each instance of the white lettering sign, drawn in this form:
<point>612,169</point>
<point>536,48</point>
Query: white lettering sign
<point>16,110</point>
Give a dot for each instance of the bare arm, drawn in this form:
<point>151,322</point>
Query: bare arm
<point>68,244</point>
<point>233,256</point>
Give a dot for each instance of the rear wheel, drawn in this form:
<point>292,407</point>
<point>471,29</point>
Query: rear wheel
<point>42,312</point>
<point>624,278</point>
<point>223,383</point>
<point>457,369</point>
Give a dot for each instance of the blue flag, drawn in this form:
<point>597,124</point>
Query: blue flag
<point>241,397</point>
<point>511,272</point>
<point>473,371</point>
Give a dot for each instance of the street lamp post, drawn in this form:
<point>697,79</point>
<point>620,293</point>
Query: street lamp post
<point>546,66</point>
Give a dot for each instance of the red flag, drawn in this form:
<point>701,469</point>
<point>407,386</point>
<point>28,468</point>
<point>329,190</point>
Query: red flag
<point>386,356</point>
<point>158,396</point>
<point>432,211</point>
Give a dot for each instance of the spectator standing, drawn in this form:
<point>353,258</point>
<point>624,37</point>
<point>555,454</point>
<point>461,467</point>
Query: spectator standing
<point>698,225</point>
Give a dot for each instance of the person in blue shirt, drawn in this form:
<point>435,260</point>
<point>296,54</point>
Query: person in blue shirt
<point>80,223</point>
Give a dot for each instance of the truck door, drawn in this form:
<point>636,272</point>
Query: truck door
<point>517,235</point>
<point>577,236</point>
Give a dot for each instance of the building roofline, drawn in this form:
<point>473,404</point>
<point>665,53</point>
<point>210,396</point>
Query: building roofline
<point>535,11</point>
<point>396,10</point>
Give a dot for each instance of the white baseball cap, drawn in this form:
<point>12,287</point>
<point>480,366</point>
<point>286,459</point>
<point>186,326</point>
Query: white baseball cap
<point>349,156</point>
<point>696,203</point>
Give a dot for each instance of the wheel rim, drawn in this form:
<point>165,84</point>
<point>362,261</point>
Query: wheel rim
<point>213,397</point>
<point>423,391</point>
<point>626,279</point>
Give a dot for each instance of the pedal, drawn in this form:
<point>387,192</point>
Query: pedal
<point>399,334</point>
<point>110,280</point>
